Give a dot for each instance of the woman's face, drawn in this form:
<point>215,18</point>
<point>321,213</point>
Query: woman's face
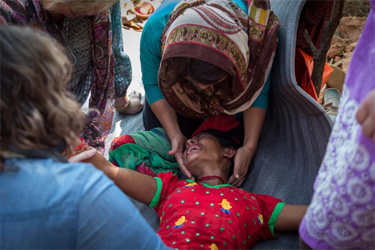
<point>204,86</point>
<point>201,150</point>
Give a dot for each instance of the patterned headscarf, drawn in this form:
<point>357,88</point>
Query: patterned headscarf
<point>221,33</point>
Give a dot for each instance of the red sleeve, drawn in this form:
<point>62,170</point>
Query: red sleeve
<point>121,140</point>
<point>166,182</point>
<point>270,208</point>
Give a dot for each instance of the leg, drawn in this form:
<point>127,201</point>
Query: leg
<point>131,103</point>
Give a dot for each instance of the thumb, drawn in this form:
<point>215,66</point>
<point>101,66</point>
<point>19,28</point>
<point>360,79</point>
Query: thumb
<point>174,149</point>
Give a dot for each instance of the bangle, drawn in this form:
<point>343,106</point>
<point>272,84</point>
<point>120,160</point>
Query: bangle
<point>83,146</point>
<point>122,109</point>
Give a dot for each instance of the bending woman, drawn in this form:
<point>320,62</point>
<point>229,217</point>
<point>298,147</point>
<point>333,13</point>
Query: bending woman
<point>91,33</point>
<point>208,58</point>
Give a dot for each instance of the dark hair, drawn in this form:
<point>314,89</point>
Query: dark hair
<point>36,110</point>
<point>225,138</point>
<point>176,70</point>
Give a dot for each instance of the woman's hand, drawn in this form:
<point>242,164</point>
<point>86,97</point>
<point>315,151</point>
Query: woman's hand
<point>168,119</point>
<point>178,142</point>
<point>241,166</point>
<point>83,155</point>
<point>366,115</point>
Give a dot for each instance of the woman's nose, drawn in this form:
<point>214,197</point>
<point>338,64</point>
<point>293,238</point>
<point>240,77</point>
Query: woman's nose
<point>190,141</point>
<point>204,86</point>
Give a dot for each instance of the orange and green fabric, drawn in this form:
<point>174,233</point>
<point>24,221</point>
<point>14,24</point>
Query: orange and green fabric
<point>145,152</point>
<point>199,216</point>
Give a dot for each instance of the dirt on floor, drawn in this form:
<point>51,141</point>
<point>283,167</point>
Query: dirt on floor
<point>348,32</point>
<point>357,8</point>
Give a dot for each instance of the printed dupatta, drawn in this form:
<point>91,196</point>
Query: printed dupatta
<point>221,33</point>
<point>99,121</point>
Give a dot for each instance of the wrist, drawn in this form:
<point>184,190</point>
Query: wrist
<point>250,146</point>
<point>172,132</point>
<point>77,146</point>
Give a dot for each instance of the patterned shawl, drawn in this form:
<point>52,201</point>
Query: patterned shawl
<point>221,33</point>
<point>31,13</point>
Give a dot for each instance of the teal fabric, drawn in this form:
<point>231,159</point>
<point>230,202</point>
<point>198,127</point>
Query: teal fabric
<point>151,147</point>
<point>151,54</point>
<point>262,100</point>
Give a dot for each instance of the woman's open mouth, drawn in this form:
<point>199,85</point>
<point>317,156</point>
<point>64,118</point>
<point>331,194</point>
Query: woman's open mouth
<point>192,148</point>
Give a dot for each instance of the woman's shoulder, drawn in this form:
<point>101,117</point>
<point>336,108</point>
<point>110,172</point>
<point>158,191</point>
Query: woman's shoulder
<point>157,21</point>
<point>53,178</point>
<point>35,185</point>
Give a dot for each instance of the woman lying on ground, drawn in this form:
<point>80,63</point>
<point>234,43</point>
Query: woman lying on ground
<point>207,213</point>
<point>91,33</point>
<point>204,58</point>
<point>47,202</point>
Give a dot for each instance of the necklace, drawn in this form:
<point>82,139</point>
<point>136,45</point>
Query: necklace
<point>211,177</point>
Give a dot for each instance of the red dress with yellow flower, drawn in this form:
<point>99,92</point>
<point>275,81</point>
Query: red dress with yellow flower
<point>199,216</point>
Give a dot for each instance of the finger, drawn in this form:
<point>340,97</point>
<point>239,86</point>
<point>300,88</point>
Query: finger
<point>236,175</point>
<point>142,102</point>
<point>176,147</point>
<point>368,126</point>
<point>231,179</point>
<point>83,156</point>
<point>362,113</point>
<point>239,181</point>
<point>173,150</point>
<point>182,166</point>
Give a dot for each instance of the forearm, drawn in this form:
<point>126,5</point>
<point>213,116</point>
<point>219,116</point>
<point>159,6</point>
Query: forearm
<point>290,217</point>
<point>167,117</point>
<point>138,186</point>
<point>253,123</point>
<point>104,165</point>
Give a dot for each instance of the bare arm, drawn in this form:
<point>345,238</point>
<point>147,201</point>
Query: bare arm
<point>167,116</point>
<point>138,186</point>
<point>168,119</point>
<point>253,123</point>
<point>290,217</point>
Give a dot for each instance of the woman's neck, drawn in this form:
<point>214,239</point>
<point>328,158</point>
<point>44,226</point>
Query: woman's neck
<point>212,178</point>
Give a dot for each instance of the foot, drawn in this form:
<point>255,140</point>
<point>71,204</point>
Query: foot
<point>136,104</point>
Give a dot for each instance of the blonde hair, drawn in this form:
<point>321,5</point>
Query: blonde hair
<point>80,6</point>
<point>36,110</point>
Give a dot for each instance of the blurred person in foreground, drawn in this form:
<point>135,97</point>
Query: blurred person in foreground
<point>342,211</point>
<point>45,201</point>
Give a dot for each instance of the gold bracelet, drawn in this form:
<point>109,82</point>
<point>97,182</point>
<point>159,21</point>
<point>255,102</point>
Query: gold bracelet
<point>122,109</point>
